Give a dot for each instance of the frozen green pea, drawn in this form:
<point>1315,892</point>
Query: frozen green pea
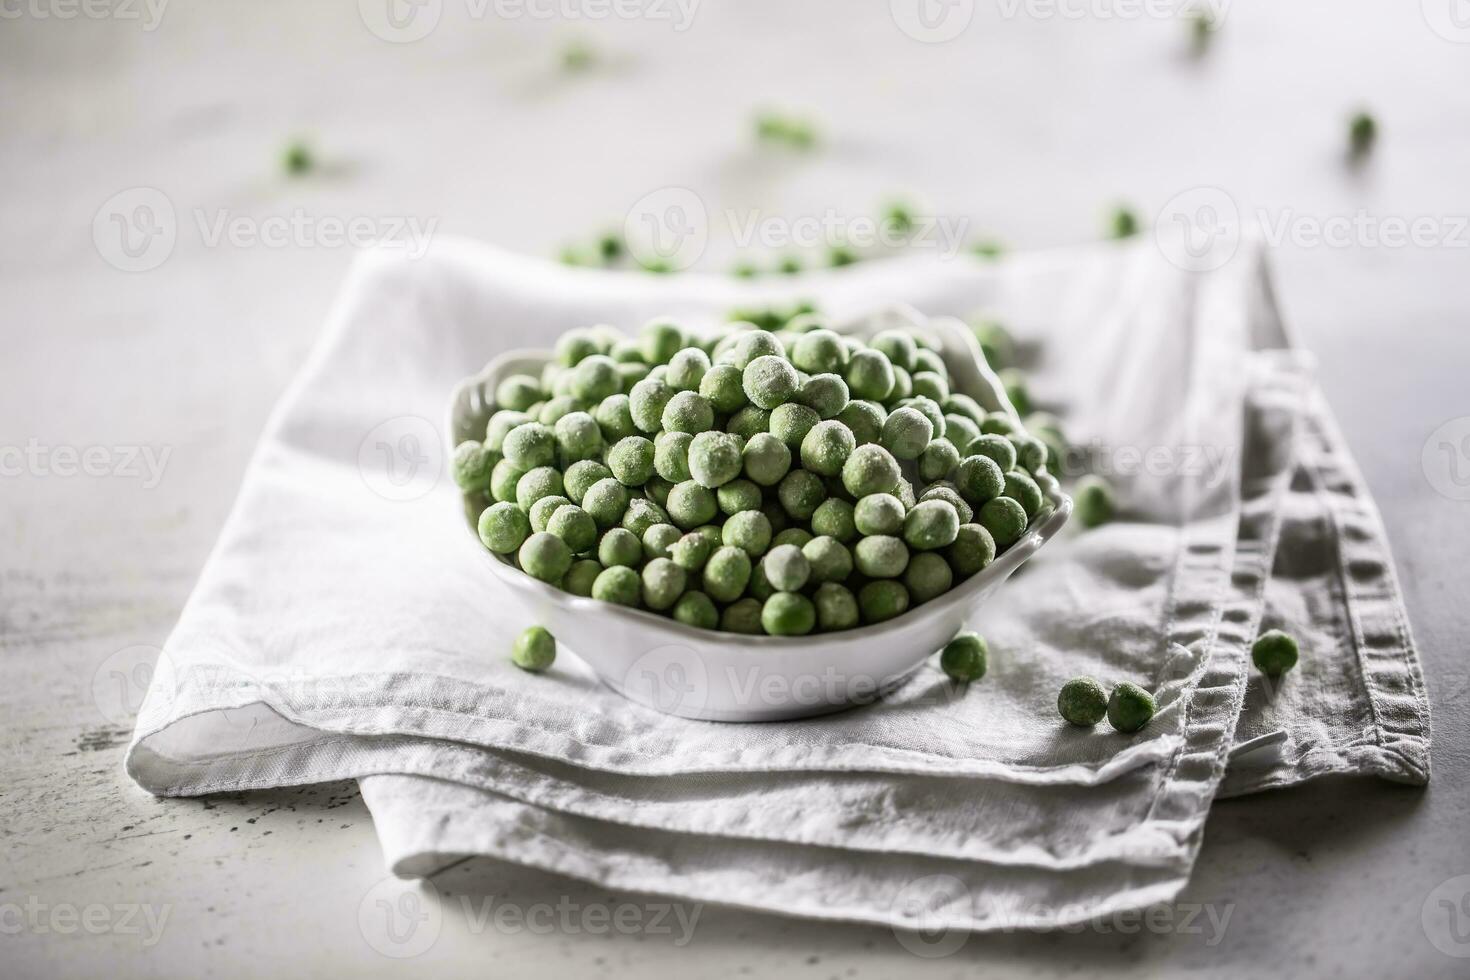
<point>998,448</point>
<point>697,609</point>
<point>663,583</point>
<point>575,345</point>
<point>620,546</point>
<point>687,369</point>
<point>472,465</point>
<point>800,493</point>
<point>615,417</point>
<point>929,361</point>
<point>657,489</point>
<point>658,539</point>
<point>1362,133</point>
<point>826,394</point>
<point>541,511</point>
<point>1048,484</point>
<point>743,616</point>
<point>749,530</point>
<point>883,600</point>
<point>881,556</point>
<point>620,584</point>
<point>962,404</point>
<point>767,459</point>
<point>543,481</point>
<point>1031,453</point>
<point>749,422</point>
<point>776,514</point>
<point>907,433</point>
<point>518,392</point>
<point>1082,702</point>
<point>931,524</point>
<point>737,496</point>
<point>503,480</point>
<point>503,527</point>
<point>896,345</point>
<point>579,578</point>
<point>787,568</point>
<point>500,425</point>
<point>870,469</point>
<point>545,556</point>
<point>972,550</point>
<point>819,351</point>
<point>937,459</point>
<point>997,423</point>
<point>659,341</point>
<point>631,460</point>
<point>834,518</point>
<point>551,412</point>
<point>962,432</point>
<point>581,475</point>
<point>574,526</point>
<point>1004,518</point>
<point>788,614</point>
<point>946,491</point>
<point>1274,653</point>
<point>529,446</point>
<point>756,344</point>
<point>903,387</point>
<point>690,504</point>
<point>869,375</point>
<point>837,607</point>
<point>792,535</point>
<point>927,576</point>
<point>691,551</point>
<point>727,573</point>
<point>631,374</point>
<point>760,587</point>
<point>534,649</point>
<point>965,658</point>
<point>646,403</point>
<point>715,458</point>
<point>578,437</point>
<point>930,409</point>
<point>791,422</point>
<point>1094,501</point>
<point>878,513</point>
<point>827,447</point>
<point>671,455</point>
<point>595,377</point>
<point>606,500</point>
<point>770,381</point>
<point>1017,394</point>
<point>688,411</point>
<point>865,419</point>
<point>1130,707</point>
<point>979,479</point>
<point>1022,489</point>
<point>906,494</point>
<point>931,385</point>
<point>626,350</point>
<point>829,559</point>
<point>724,386</point>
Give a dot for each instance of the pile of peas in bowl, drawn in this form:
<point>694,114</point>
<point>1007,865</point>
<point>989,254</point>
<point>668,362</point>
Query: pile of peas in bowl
<point>780,481</point>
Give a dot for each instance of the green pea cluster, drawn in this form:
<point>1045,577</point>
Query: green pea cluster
<point>782,481</point>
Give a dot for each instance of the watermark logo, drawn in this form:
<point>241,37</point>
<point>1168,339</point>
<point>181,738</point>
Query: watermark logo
<point>932,21</point>
<point>401,459</point>
<point>1445,459</point>
<point>401,917</point>
<point>1446,917</point>
<point>135,230</point>
<point>672,679</point>
<point>141,919</point>
<point>121,682</point>
<point>920,904</point>
<point>1199,229</point>
<point>148,12</point>
<point>1450,19</point>
<point>400,21</point>
<point>668,227</point>
<point>123,462</point>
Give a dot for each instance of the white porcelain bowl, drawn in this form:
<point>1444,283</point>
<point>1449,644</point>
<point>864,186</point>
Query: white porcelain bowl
<point>717,676</point>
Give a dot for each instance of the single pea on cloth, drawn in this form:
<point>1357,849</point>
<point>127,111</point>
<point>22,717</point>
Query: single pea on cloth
<point>346,627</point>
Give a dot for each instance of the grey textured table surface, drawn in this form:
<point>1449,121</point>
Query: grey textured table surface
<point>1032,122</point>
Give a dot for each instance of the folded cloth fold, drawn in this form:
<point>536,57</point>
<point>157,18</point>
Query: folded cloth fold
<point>345,627</point>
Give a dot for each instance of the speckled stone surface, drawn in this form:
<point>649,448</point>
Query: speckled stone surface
<point>1033,124</point>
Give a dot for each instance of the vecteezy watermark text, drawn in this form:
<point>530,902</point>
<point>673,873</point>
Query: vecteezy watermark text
<point>406,21</point>
<point>94,919</point>
<point>38,459</point>
<point>149,13</point>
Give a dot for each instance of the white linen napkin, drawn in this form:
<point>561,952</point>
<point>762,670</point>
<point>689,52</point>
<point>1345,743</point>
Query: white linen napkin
<point>345,627</point>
